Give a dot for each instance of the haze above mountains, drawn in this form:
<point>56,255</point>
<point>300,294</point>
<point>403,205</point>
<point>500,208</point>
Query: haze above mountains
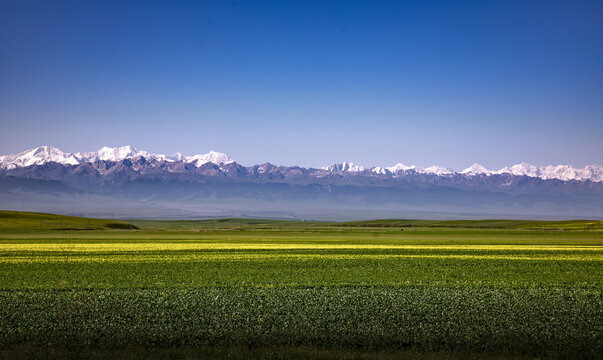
<point>47,154</point>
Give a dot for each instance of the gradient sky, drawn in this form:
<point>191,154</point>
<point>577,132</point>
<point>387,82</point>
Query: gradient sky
<point>308,83</point>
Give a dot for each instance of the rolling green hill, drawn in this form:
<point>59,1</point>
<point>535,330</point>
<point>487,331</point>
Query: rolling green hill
<point>19,220</point>
<point>483,224</point>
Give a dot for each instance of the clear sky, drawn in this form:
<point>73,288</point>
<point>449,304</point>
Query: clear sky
<point>308,83</point>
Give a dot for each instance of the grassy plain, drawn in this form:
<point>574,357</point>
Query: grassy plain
<point>481,287</point>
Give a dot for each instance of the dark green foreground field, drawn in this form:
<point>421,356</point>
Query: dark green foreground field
<point>277,289</point>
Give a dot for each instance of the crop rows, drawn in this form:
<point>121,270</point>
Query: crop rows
<point>536,294</point>
<point>527,321</point>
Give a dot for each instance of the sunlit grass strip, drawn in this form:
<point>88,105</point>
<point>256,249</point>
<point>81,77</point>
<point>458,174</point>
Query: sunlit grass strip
<point>117,258</point>
<point>79,247</point>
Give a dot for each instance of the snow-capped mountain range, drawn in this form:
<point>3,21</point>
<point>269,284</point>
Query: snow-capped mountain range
<point>47,154</point>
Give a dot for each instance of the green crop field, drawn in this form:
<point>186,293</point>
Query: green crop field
<point>234,287</point>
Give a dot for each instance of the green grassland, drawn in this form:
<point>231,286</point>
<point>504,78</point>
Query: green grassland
<point>267,224</point>
<point>484,224</point>
<point>389,287</point>
<point>27,221</point>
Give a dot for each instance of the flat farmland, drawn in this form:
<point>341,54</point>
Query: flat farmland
<point>326,287</point>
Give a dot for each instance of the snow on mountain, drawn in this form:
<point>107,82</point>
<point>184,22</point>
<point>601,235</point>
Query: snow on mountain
<point>400,167</point>
<point>211,157</point>
<point>520,169</point>
<point>561,172</point>
<point>476,169</point>
<point>124,152</point>
<point>567,172</point>
<point>37,156</point>
<point>112,154</point>
<point>345,166</point>
<point>392,169</point>
<point>436,170</point>
<point>45,154</point>
<point>177,157</point>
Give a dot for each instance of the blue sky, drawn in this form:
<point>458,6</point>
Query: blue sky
<point>308,83</point>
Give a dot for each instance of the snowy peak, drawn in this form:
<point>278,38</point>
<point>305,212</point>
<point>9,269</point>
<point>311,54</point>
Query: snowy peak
<point>436,170</point>
<point>400,167</point>
<point>129,152</point>
<point>561,172</point>
<point>345,167</point>
<point>520,169</point>
<point>37,156</point>
<point>566,172</point>
<point>476,169</point>
<point>112,154</point>
<point>119,153</point>
<point>46,154</point>
<point>177,157</point>
<point>211,157</point>
<point>379,170</point>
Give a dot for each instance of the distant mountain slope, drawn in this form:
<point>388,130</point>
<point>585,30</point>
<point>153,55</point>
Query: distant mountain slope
<point>126,182</point>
